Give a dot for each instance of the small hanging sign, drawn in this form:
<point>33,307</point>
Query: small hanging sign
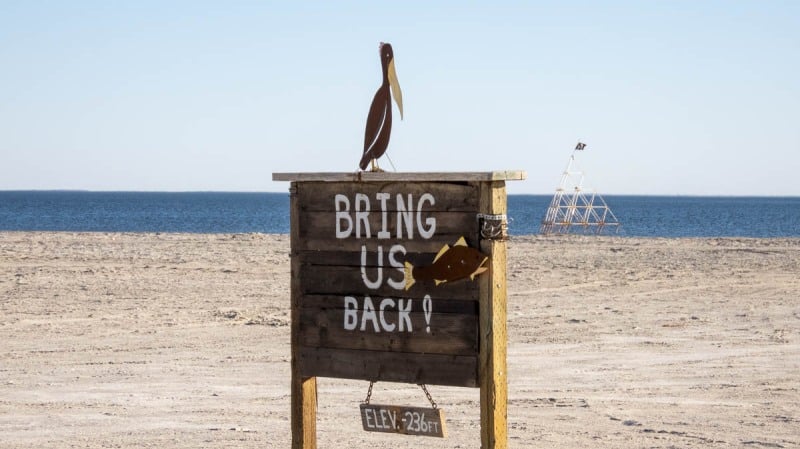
<point>420,421</point>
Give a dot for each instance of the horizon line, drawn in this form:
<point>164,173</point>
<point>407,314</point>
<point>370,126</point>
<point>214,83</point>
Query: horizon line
<point>548,194</point>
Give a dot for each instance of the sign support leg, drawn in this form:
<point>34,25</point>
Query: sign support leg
<point>304,411</point>
<point>492,369</point>
<point>304,389</point>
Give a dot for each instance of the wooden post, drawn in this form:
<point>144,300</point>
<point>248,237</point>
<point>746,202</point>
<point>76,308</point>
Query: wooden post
<point>493,377</point>
<point>304,389</point>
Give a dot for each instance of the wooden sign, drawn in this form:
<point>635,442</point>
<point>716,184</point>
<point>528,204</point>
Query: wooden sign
<point>358,319</point>
<point>420,421</point>
<point>357,239</point>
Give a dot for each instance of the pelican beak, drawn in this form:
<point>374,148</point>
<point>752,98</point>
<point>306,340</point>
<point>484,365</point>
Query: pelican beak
<point>395,85</point>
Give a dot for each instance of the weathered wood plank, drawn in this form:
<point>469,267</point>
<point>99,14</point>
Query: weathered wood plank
<point>339,280</point>
<point>443,333</point>
<point>503,175</point>
<point>433,369</point>
<point>432,245</point>
<point>373,249</point>
<point>447,197</point>
<point>377,228</point>
<point>445,305</point>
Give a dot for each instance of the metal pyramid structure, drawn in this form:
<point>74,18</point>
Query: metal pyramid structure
<point>575,208</point>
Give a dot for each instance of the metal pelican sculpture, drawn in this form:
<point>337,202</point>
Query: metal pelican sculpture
<point>379,120</point>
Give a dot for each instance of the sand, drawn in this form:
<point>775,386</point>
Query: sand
<point>182,340</point>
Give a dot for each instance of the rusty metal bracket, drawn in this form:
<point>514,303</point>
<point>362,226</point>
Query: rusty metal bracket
<point>493,227</point>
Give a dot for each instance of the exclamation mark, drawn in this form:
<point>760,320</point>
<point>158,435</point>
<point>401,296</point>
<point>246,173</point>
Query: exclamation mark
<point>427,306</point>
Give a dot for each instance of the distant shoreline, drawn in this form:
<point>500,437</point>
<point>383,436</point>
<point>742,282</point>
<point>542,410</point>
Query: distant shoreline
<point>225,212</point>
<point>516,237</point>
<point>256,192</point>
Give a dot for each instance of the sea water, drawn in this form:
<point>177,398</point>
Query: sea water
<point>234,212</point>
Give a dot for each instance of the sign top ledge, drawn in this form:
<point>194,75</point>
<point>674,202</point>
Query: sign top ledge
<point>505,175</point>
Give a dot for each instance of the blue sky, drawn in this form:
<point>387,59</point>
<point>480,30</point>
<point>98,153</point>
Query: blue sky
<point>678,97</point>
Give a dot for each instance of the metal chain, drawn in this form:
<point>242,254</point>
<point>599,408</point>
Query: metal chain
<point>428,394</point>
<point>369,393</point>
<point>424,389</point>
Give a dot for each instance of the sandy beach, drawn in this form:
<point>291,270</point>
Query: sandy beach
<point>182,341</point>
